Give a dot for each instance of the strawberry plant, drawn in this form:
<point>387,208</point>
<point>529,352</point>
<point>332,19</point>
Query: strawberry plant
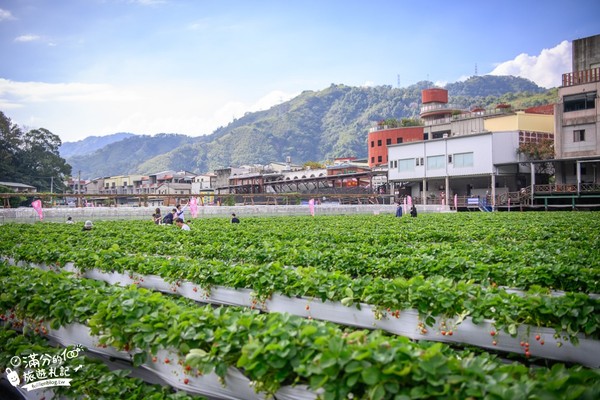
<point>278,349</point>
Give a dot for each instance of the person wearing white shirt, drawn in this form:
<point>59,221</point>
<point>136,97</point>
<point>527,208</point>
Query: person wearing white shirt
<point>182,224</point>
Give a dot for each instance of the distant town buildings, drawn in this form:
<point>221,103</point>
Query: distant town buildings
<point>476,153</point>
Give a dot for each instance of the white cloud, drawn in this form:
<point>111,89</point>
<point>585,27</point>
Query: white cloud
<point>545,69</point>
<point>76,110</point>
<point>37,92</point>
<point>5,15</point>
<point>237,109</point>
<point>270,99</point>
<point>27,38</point>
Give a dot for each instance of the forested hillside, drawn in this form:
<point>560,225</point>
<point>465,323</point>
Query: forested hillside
<point>314,126</point>
<point>90,144</point>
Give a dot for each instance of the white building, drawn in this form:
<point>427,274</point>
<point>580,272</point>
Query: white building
<point>482,165</point>
<point>203,182</point>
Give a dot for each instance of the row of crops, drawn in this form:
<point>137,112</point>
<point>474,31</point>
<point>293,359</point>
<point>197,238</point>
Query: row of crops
<point>527,278</point>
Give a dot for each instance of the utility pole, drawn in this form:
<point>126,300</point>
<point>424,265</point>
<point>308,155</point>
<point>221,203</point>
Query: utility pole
<point>52,190</point>
<point>79,188</point>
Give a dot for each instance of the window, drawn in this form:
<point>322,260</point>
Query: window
<point>399,140</point>
<point>463,160</point>
<point>579,135</point>
<point>419,161</point>
<point>582,101</point>
<point>379,159</point>
<point>372,143</point>
<point>379,142</point>
<point>372,160</point>
<point>435,162</point>
<point>406,165</point>
<point>440,134</point>
<point>449,158</point>
<point>388,141</point>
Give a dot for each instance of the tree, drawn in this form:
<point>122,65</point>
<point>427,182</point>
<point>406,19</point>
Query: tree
<point>41,161</point>
<point>411,122</point>
<point>31,158</point>
<point>541,150</point>
<point>10,144</point>
<point>313,165</point>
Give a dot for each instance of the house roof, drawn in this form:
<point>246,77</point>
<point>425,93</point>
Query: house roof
<point>16,185</point>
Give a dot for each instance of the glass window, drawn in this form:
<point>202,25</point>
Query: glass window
<point>463,160</point>
<point>582,101</point>
<point>579,135</point>
<point>408,164</point>
<point>379,142</point>
<point>435,162</point>
<point>388,141</point>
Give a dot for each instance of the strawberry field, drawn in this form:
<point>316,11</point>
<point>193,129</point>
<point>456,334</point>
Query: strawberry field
<point>471,305</point>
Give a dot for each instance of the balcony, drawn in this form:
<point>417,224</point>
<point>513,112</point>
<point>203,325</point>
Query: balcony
<point>581,77</point>
<point>426,108</point>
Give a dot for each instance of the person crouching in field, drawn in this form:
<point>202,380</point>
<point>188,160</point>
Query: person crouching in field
<point>168,219</point>
<point>156,217</point>
<point>182,224</point>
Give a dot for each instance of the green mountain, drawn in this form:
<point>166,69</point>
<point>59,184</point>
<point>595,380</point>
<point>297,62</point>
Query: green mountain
<point>125,156</point>
<point>314,126</point>
<point>90,144</point>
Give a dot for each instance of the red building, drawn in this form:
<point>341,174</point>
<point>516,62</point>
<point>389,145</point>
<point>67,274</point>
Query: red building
<point>381,137</point>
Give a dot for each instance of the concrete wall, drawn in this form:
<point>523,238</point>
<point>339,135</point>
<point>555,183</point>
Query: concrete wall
<point>521,122</point>
<point>586,53</point>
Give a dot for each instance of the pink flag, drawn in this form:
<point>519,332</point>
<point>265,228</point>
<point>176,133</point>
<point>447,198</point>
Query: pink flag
<point>455,201</point>
<point>311,206</point>
<point>37,206</point>
<point>405,207</point>
<point>194,207</point>
<point>409,201</point>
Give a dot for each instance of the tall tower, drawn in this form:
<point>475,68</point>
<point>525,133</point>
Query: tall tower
<point>435,105</point>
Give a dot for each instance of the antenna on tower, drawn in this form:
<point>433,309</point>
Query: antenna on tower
<point>475,69</point>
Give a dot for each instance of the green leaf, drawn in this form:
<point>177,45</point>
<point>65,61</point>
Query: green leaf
<point>371,375</point>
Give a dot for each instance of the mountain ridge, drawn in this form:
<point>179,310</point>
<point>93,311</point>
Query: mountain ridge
<point>313,126</point>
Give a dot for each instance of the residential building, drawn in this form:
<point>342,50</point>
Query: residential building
<point>577,119</point>
<point>484,163</point>
<point>203,182</point>
<point>382,136</point>
<point>19,187</point>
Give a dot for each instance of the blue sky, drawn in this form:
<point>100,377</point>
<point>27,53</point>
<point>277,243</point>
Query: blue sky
<point>95,67</point>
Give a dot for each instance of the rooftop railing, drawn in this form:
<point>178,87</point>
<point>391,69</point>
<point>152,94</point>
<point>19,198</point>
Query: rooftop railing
<point>581,77</point>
